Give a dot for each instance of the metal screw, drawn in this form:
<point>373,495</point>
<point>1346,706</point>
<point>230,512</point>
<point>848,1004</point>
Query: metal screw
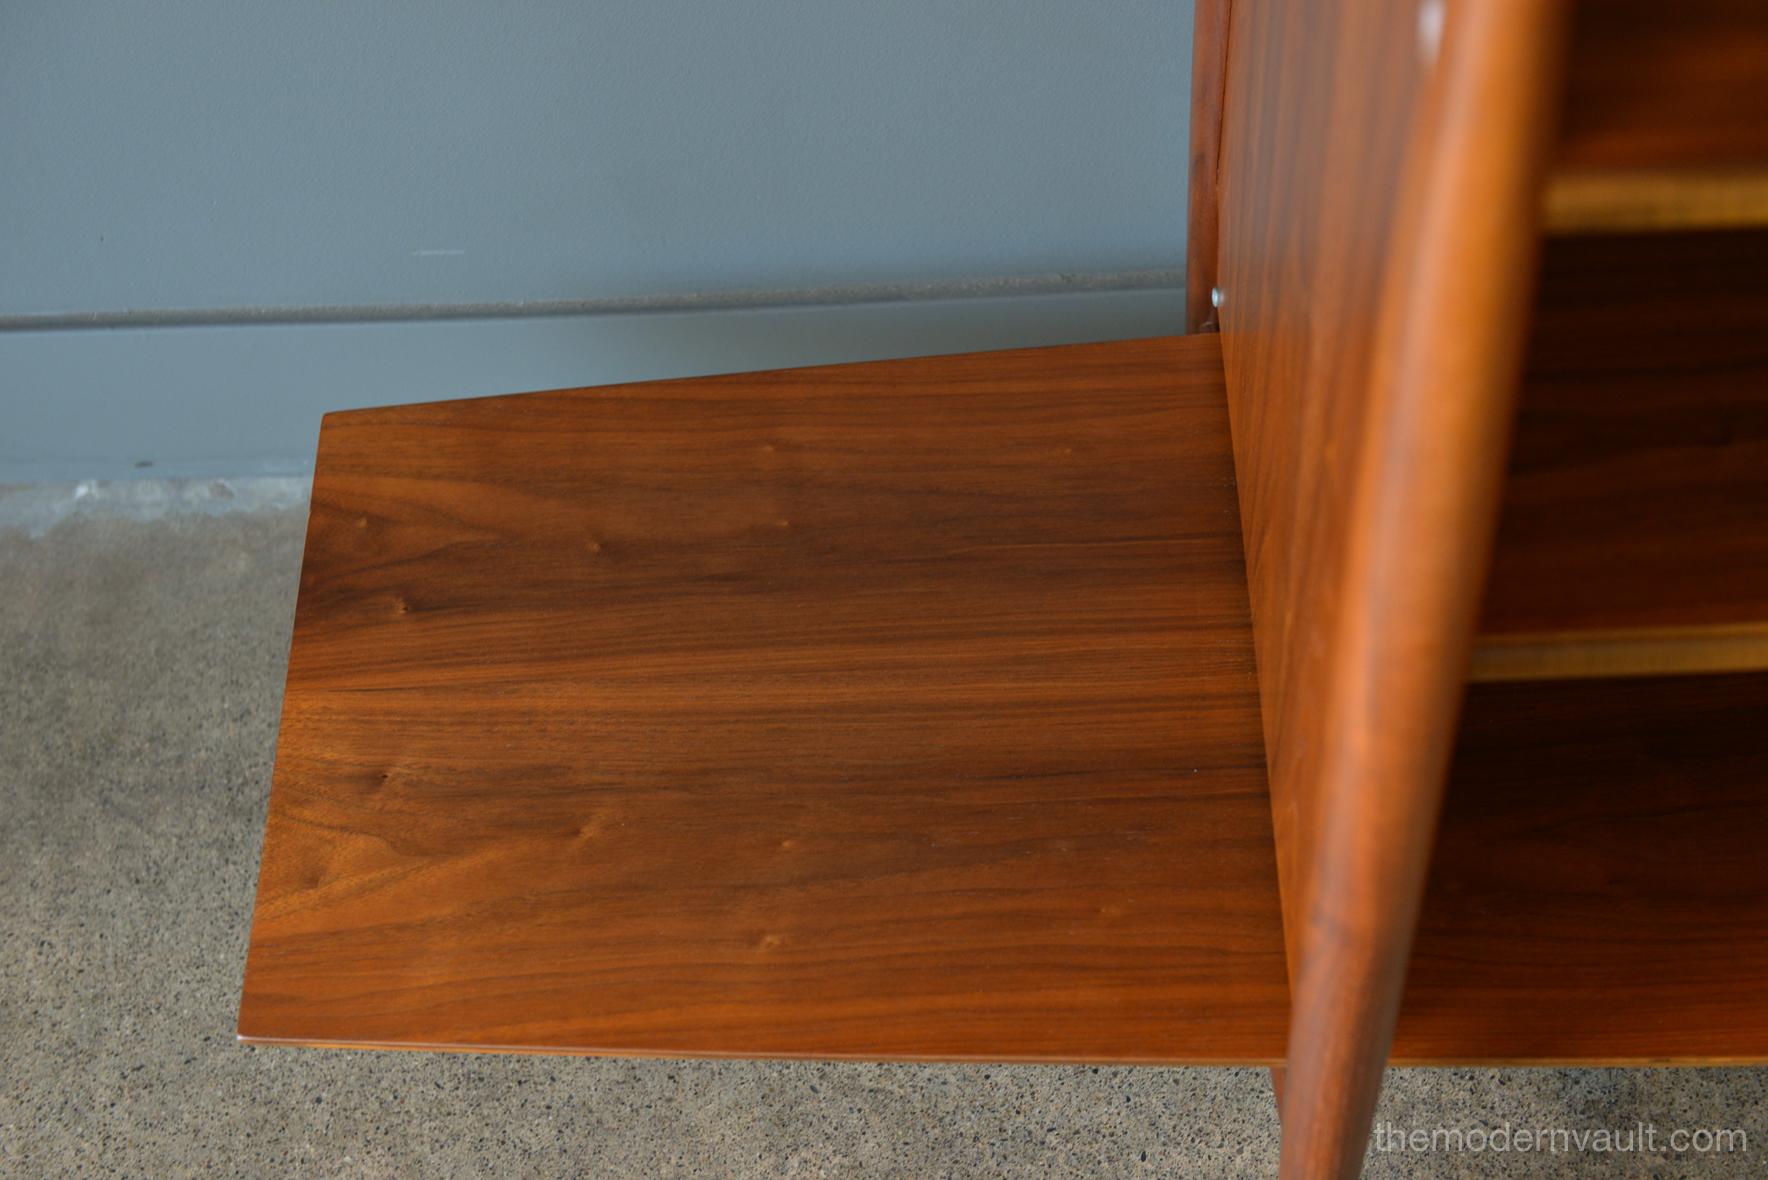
<point>1215,297</point>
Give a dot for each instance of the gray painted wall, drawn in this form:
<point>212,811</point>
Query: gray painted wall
<point>202,162</point>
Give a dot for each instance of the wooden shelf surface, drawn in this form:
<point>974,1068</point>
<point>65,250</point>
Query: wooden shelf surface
<point>896,710</point>
<point>1599,889</point>
<point>1665,121</point>
<point>1634,532</point>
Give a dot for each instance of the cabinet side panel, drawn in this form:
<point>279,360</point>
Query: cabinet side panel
<point>1379,184</point>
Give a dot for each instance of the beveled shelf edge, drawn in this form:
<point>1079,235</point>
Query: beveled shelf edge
<point>749,1055</point>
<point>1402,1061</point>
<point>1595,654</point>
<point>1574,1061</point>
<point>1655,200</point>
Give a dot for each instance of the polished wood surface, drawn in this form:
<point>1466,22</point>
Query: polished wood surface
<point>1634,531</point>
<point>1599,893</point>
<point>1665,119</point>
<point>897,710</point>
<point>1298,367</point>
<point>1381,183</point>
<point>1209,69</point>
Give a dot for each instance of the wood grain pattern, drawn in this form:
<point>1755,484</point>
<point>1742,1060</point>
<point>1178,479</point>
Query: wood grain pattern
<point>1209,69</point>
<point>1666,118</point>
<point>1297,367</point>
<point>898,710</point>
<point>1599,893</point>
<point>1379,201</point>
<point>1637,496</point>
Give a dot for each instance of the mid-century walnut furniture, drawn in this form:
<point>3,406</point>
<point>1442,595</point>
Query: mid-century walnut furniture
<point>1383,677</point>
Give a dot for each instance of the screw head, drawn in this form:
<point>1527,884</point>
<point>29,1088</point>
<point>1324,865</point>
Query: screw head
<point>1215,297</point>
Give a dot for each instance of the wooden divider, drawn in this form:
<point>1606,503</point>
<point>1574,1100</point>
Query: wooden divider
<point>1381,171</point>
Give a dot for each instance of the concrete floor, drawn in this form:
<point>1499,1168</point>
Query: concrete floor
<point>142,644</point>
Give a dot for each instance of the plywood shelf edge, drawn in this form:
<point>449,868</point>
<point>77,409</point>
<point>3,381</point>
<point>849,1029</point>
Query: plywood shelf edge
<point>1638,651</point>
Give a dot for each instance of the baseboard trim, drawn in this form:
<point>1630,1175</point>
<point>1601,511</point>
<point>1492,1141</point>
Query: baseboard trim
<point>244,400</point>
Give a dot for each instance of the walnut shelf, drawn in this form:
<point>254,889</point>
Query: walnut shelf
<point>1598,894</point>
<point>1662,126</point>
<point>898,710</point>
<point>1634,532</point>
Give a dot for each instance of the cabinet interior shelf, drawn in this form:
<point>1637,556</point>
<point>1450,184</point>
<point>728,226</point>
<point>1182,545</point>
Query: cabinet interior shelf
<point>1633,537</point>
<point>1662,126</point>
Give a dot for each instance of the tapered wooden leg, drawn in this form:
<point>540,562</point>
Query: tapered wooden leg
<point>1277,1075</point>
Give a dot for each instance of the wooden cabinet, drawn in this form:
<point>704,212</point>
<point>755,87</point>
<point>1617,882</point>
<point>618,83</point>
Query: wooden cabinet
<point>1449,471</point>
<point>1112,702</point>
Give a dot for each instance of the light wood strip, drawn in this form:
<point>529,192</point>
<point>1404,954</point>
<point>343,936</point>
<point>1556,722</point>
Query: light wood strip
<point>1656,651</point>
<point>1581,202</point>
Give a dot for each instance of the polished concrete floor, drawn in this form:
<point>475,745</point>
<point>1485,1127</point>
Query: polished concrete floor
<point>142,643</point>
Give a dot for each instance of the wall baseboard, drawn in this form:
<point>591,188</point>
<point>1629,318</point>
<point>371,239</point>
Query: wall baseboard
<point>233,400</point>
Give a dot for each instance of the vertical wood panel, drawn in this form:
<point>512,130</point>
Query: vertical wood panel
<point>1380,176</point>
